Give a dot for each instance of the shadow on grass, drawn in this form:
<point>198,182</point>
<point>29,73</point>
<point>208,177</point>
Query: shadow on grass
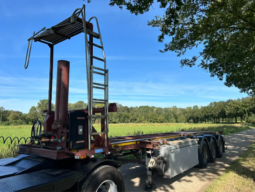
<point>244,166</point>
<point>240,176</point>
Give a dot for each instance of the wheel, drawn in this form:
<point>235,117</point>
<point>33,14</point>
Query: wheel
<point>203,155</point>
<point>219,151</point>
<point>104,179</point>
<point>212,151</point>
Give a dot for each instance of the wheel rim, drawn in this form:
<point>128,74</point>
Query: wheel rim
<point>107,186</point>
<point>205,154</point>
<point>213,151</point>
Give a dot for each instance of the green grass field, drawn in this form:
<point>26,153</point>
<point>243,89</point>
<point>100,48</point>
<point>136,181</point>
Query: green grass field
<point>7,150</point>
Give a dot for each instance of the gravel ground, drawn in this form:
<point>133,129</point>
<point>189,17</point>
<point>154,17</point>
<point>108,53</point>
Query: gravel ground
<point>195,180</point>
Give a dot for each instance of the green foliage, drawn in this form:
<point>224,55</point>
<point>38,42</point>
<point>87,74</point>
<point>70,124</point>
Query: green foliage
<point>33,114</point>
<point>10,150</point>
<point>135,6</point>
<point>15,115</point>
<point>77,105</point>
<point>225,28</point>
<point>224,111</point>
<point>251,119</point>
<point>182,119</point>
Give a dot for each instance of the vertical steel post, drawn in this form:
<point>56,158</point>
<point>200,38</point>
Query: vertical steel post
<point>87,54</point>
<point>91,80</point>
<point>50,77</point>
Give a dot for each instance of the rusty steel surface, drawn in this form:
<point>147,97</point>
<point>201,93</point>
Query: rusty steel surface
<point>61,105</point>
<point>91,152</point>
<point>48,121</point>
<point>51,154</point>
<point>115,145</point>
<point>143,137</point>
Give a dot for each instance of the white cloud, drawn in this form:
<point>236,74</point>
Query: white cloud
<point>16,92</point>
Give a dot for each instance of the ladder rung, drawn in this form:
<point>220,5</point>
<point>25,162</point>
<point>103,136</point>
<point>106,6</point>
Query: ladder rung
<point>96,87</point>
<point>96,35</point>
<point>100,84</point>
<point>101,47</point>
<point>97,133</point>
<point>99,101</point>
<point>100,69</point>
<point>100,59</point>
<point>98,73</point>
<point>99,116</point>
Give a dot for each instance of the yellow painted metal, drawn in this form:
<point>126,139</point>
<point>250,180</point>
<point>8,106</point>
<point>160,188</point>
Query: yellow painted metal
<point>83,157</point>
<point>166,137</point>
<point>129,143</point>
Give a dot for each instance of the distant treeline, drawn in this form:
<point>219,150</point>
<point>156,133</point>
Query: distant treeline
<point>231,111</point>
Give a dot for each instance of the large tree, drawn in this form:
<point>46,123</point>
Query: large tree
<point>225,28</point>
<point>33,114</point>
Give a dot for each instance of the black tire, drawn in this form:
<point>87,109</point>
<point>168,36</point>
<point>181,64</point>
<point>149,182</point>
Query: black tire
<point>203,155</point>
<point>220,148</point>
<point>212,151</point>
<point>101,177</point>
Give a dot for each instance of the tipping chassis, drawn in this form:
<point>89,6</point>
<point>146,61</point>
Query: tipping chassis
<point>167,154</point>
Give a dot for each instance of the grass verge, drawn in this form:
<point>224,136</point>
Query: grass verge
<point>240,176</point>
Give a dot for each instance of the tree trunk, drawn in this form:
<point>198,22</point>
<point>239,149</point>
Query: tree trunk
<point>246,117</point>
<point>235,119</point>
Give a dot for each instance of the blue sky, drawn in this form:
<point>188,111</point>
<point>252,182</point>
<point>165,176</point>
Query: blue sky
<point>138,73</point>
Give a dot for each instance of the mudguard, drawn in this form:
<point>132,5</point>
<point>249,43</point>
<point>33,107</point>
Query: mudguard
<point>91,166</point>
<point>201,138</point>
<point>210,138</point>
<point>219,137</point>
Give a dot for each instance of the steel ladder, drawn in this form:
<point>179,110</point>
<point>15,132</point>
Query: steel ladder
<point>91,85</point>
